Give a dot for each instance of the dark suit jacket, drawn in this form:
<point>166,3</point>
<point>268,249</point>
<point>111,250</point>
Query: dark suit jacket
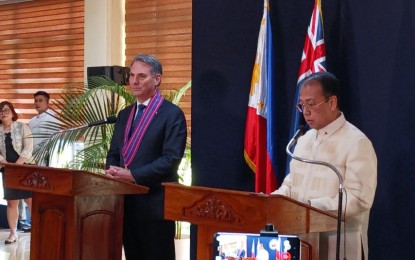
<point>157,158</point>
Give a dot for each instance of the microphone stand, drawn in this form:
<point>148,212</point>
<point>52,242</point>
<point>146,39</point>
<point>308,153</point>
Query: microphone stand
<point>339,209</point>
<point>108,120</point>
<point>71,129</point>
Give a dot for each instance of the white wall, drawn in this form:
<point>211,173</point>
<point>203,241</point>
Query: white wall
<point>104,33</point>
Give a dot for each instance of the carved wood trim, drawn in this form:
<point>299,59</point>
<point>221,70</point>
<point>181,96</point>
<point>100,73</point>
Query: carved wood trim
<point>212,207</point>
<point>37,180</point>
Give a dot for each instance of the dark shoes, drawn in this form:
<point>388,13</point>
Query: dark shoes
<point>27,229</point>
<point>11,240</point>
<point>24,226</point>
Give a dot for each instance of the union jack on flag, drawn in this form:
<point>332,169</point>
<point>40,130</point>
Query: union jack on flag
<point>313,59</point>
<point>314,53</point>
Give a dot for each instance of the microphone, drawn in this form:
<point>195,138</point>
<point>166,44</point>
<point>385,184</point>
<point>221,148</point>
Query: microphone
<point>108,120</point>
<point>300,132</point>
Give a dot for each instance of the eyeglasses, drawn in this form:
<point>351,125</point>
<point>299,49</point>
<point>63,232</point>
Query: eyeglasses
<point>5,111</point>
<point>301,106</point>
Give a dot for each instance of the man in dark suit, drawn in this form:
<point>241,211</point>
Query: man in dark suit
<point>146,148</point>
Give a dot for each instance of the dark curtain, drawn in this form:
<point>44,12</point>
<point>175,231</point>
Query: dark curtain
<point>370,46</point>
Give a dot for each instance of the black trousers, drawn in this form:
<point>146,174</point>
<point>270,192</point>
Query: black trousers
<point>148,239</point>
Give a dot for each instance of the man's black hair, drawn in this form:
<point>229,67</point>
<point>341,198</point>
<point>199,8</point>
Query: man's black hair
<point>329,82</point>
<point>42,93</point>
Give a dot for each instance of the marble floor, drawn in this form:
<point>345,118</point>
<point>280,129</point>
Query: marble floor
<point>16,251</point>
<point>19,250</point>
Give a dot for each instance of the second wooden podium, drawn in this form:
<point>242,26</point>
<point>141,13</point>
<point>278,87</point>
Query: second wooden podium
<point>218,210</point>
<point>75,214</point>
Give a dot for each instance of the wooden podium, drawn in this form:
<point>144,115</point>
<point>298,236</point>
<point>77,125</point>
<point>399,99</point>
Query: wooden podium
<point>75,214</point>
<point>219,210</point>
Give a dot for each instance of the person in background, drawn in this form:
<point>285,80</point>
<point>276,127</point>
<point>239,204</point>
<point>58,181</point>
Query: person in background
<point>38,123</point>
<point>23,222</point>
<point>262,253</point>
<point>15,147</point>
<point>37,126</point>
<point>334,140</point>
<point>240,252</point>
<point>146,148</point>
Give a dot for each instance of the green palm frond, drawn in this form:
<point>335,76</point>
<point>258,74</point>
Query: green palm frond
<point>90,158</point>
<point>174,95</point>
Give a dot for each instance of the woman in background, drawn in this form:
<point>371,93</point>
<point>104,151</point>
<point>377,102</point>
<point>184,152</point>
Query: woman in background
<point>15,147</point>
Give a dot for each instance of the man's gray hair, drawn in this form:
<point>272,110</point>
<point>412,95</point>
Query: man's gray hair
<point>151,61</point>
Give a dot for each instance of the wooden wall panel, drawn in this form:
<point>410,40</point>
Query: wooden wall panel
<point>41,48</point>
<point>163,28</point>
<point>42,45</point>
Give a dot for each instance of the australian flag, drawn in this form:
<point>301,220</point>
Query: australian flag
<point>313,58</point>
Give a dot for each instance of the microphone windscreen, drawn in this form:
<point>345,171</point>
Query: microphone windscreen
<point>111,119</point>
<point>302,129</point>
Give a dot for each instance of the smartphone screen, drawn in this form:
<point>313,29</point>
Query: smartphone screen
<point>247,246</point>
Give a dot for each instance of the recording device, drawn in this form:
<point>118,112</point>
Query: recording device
<point>269,231</point>
<point>251,246</point>
<point>293,140</point>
